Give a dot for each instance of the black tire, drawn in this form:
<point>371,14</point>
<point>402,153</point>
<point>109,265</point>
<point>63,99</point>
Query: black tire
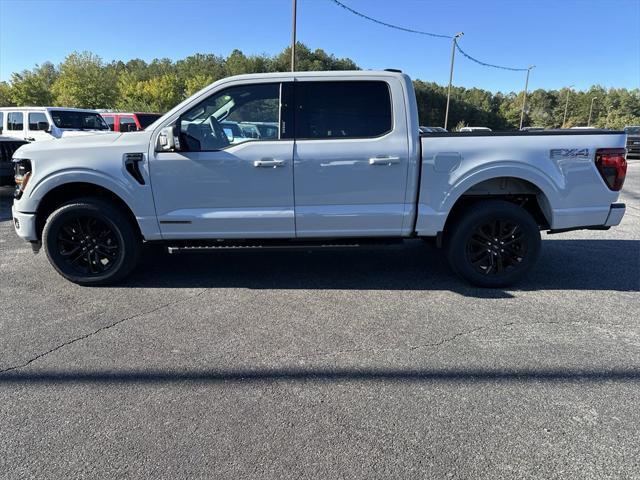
<point>91,242</point>
<point>493,243</point>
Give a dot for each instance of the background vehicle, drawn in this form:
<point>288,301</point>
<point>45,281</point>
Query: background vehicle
<point>128,122</point>
<point>431,129</point>
<point>346,167</point>
<point>532,129</point>
<point>633,141</point>
<point>45,123</point>
<point>475,129</point>
<point>8,146</point>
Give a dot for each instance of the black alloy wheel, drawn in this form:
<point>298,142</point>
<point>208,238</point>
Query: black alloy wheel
<point>88,245</point>
<point>493,243</point>
<point>90,241</point>
<point>496,246</point>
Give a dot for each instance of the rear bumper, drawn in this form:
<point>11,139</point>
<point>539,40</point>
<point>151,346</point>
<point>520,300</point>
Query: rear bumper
<point>25,225</point>
<point>616,212</point>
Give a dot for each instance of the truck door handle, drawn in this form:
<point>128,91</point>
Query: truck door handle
<point>30,139</point>
<point>384,160</point>
<point>266,163</point>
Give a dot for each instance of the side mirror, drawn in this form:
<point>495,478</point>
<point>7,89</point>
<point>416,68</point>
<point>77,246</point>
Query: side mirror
<point>43,126</point>
<point>168,139</point>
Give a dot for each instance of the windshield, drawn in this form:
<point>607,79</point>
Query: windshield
<point>147,119</point>
<point>78,120</point>
<point>632,130</point>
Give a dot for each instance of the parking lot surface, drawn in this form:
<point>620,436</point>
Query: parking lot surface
<point>371,363</point>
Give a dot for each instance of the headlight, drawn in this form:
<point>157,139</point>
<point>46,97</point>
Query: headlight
<point>22,169</point>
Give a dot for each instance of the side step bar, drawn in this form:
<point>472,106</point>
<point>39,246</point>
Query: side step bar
<point>274,245</point>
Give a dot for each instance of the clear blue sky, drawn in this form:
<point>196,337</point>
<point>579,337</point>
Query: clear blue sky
<point>581,42</point>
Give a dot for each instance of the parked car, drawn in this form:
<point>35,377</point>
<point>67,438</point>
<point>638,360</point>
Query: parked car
<point>431,129</point>
<point>46,123</point>
<point>633,140</point>
<point>8,146</point>
<point>328,177</point>
<point>128,122</point>
<point>233,132</point>
<point>532,129</point>
<point>475,129</point>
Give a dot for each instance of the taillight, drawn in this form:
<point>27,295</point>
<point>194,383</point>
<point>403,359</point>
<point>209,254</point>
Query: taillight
<point>612,165</point>
<point>22,169</point>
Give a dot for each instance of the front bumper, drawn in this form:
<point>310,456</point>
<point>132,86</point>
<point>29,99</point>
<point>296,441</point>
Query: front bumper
<point>616,212</point>
<point>25,225</point>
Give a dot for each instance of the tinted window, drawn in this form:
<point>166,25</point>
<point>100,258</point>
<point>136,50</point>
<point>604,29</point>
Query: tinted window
<point>342,109</point>
<point>38,121</point>
<point>128,124</point>
<point>7,148</point>
<point>110,122</point>
<point>245,106</point>
<point>14,121</point>
<point>147,119</point>
<point>78,120</point>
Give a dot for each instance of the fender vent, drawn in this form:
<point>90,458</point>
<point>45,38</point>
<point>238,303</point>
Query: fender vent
<point>132,165</point>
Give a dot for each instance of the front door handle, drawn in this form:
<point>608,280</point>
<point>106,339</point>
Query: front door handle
<point>384,160</point>
<point>30,139</point>
<point>268,163</point>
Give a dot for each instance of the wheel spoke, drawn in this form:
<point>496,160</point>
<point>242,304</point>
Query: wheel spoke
<point>496,247</point>
<point>88,245</point>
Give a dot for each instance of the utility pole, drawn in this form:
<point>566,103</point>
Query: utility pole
<point>591,111</point>
<point>566,106</point>
<point>524,100</point>
<point>453,56</point>
<point>293,36</point>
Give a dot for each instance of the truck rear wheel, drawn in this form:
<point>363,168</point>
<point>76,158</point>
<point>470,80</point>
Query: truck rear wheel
<point>493,244</point>
<point>90,242</point>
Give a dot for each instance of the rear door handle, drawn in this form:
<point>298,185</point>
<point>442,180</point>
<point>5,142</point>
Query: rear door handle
<point>265,163</point>
<point>384,160</point>
<point>30,139</point>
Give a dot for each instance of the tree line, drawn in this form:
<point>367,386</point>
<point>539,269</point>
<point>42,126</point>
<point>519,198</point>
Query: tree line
<point>84,80</point>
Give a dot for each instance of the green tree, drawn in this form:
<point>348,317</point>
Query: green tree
<point>33,87</point>
<point>84,81</point>
<point>5,95</point>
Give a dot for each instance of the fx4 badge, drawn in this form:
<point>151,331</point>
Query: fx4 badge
<point>559,153</point>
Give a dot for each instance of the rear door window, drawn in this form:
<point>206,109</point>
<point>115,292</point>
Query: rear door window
<point>343,109</point>
<point>110,121</point>
<point>38,121</point>
<point>15,121</point>
<point>128,124</point>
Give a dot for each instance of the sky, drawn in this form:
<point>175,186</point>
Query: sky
<point>579,42</point>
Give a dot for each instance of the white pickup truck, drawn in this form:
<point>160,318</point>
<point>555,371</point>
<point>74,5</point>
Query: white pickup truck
<point>346,165</point>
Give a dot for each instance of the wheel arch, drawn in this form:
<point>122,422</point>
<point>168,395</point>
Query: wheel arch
<point>529,194</point>
<point>67,192</point>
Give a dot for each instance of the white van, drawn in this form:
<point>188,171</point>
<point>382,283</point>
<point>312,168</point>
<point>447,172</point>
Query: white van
<point>45,123</point>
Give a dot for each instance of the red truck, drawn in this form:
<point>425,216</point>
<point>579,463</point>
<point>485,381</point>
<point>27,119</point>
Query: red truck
<point>129,122</point>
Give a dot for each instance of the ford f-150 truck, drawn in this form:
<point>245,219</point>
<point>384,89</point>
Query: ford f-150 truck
<point>347,166</point>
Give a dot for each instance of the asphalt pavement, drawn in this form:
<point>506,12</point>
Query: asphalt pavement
<point>370,363</point>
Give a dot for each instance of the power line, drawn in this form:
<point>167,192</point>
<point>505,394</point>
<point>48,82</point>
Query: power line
<point>429,34</point>
<point>512,69</point>
<point>419,32</point>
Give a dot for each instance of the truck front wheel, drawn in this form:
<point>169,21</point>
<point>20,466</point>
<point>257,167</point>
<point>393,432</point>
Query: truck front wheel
<point>90,242</point>
<point>493,244</point>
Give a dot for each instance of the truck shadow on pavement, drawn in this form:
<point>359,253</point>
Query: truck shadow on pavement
<point>563,265</point>
<point>319,375</point>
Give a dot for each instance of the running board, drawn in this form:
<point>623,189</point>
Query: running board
<point>271,245</point>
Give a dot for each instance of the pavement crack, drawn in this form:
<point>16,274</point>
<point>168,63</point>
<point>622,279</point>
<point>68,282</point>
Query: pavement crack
<point>99,330</point>
<point>445,340</point>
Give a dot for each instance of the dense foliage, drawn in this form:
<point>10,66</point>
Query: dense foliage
<point>84,80</point>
